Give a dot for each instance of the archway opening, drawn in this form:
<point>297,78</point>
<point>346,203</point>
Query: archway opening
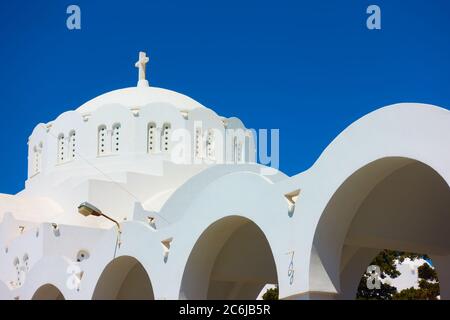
<point>232,259</point>
<point>393,203</point>
<point>124,278</point>
<point>48,292</point>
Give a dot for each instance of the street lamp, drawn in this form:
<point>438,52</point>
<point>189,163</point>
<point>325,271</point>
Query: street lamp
<point>87,209</point>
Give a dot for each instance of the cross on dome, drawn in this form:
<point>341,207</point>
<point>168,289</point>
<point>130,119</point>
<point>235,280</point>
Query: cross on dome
<point>140,64</point>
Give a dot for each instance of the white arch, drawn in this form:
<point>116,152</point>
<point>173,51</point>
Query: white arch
<point>399,133</point>
<point>232,259</point>
<point>139,242</point>
<point>51,270</point>
<point>248,195</point>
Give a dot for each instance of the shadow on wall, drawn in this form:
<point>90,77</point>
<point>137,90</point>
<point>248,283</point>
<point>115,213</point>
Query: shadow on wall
<point>394,203</point>
<point>124,278</point>
<point>232,259</point>
<point>48,292</point>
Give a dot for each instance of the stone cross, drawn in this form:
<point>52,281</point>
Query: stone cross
<point>143,59</point>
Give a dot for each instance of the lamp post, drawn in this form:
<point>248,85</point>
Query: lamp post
<point>87,209</point>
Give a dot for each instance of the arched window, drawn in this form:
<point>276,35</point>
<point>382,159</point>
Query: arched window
<point>151,132</point>
<point>235,149</point>
<point>37,158</point>
<point>36,165</point>
<point>247,145</point>
<point>239,152</point>
<point>165,137</point>
<point>210,145</point>
<point>198,142</point>
<point>115,147</point>
<point>61,149</point>
<point>72,145</point>
<point>101,140</point>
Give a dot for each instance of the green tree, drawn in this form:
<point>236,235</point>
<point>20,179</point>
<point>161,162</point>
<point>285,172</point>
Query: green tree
<point>426,272</point>
<point>386,291</point>
<point>386,260</point>
<point>271,294</point>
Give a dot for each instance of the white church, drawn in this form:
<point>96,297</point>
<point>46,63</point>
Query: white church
<point>144,193</point>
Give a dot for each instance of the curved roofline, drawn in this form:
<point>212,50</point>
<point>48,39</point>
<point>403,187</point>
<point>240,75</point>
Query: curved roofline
<point>135,97</point>
<point>376,119</point>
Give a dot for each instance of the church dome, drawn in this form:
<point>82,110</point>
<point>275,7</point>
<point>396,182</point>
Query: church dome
<point>137,144</point>
<point>135,129</point>
<point>136,97</point>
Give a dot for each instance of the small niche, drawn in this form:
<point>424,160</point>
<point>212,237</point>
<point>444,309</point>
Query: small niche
<point>291,199</point>
<point>135,111</point>
<point>55,230</point>
<point>185,114</point>
<point>152,222</point>
<point>25,260</point>
<point>166,247</point>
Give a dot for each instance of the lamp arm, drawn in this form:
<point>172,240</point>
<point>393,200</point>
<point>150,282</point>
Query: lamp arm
<point>111,219</point>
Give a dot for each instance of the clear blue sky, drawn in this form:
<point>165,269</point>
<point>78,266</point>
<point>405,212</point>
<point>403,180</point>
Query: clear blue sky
<point>309,68</point>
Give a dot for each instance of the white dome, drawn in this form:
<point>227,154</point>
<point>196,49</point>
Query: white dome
<point>135,97</point>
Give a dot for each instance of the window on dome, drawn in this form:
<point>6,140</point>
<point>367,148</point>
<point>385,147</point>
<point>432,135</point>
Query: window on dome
<point>210,145</point>
<point>239,152</point>
<point>165,137</point>
<point>151,132</point>
<point>246,153</point>
<point>72,145</point>
<point>37,159</point>
<point>198,142</point>
<point>115,138</point>
<point>235,150</point>
<point>61,149</point>
<point>101,140</point>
